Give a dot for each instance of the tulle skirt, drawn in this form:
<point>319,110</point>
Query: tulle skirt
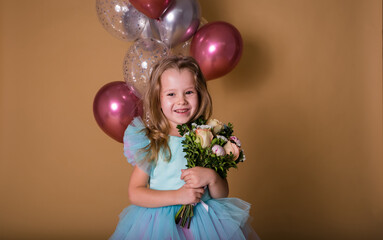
<point>224,218</point>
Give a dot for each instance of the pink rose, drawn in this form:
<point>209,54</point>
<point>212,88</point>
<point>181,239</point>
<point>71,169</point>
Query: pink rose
<point>236,140</point>
<point>204,136</point>
<point>232,148</point>
<point>218,150</point>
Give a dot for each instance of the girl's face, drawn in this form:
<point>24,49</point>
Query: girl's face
<point>178,96</point>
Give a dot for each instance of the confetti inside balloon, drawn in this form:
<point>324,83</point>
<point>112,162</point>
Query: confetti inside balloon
<point>121,19</point>
<point>139,61</point>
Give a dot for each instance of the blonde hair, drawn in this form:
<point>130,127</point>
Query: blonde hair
<point>157,129</point>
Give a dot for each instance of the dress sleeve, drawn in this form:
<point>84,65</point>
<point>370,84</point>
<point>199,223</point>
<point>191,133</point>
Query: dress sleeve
<point>134,142</point>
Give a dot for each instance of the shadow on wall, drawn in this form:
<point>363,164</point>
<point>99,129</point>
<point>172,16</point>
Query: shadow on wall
<point>254,64</point>
<point>249,75</point>
<point>253,68</point>
<point>209,10</point>
<point>286,195</point>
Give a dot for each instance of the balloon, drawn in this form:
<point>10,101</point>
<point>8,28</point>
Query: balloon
<point>150,31</point>
<point>179,22</point>
<point>139,61</point>
<point>151,8</point>
<point>217,47</point>
<point>121,19</point>
<point>184,48</point>
<point>114,107</point>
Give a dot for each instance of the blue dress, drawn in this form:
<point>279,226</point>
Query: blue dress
<point>223,218</point>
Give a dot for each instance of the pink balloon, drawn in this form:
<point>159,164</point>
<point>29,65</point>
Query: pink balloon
<point>151,8</point>
<point>217,47</point>
<point>114,107</point>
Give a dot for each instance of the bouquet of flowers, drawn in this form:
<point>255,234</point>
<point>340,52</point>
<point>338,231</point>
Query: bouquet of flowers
<point>209,144</point>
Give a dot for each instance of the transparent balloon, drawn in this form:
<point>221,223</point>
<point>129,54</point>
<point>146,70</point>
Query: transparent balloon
<point>121,19</point>
<point>179,22</point>
<point>140,60</point>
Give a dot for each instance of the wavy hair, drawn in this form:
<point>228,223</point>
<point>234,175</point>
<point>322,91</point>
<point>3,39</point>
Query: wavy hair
<point>157,129</point>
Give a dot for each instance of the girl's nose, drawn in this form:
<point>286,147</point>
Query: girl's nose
<point>182,100</point>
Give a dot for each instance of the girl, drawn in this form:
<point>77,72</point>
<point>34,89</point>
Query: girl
<point>160,184</point>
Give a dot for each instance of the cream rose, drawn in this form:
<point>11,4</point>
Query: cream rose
<point>215,125</point>
<point>231,148</point>
<point>204,136</point>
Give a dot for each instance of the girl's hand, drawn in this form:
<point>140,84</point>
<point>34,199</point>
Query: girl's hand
<point>187,195</point>
<point>198,177</point>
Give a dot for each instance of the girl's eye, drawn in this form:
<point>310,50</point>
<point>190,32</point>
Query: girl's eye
<point>170,94</point>
<point>189,92</point>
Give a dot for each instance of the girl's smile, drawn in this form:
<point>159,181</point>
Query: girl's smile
<point>179,98</point>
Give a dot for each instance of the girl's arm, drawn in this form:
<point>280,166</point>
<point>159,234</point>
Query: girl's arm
<point>142,196</point>
<point>197,177</point>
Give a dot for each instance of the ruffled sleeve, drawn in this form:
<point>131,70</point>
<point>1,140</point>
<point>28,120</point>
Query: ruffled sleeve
<point>134,141</point>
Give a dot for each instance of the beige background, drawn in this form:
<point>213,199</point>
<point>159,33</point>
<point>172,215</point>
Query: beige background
<point>306,101</point>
